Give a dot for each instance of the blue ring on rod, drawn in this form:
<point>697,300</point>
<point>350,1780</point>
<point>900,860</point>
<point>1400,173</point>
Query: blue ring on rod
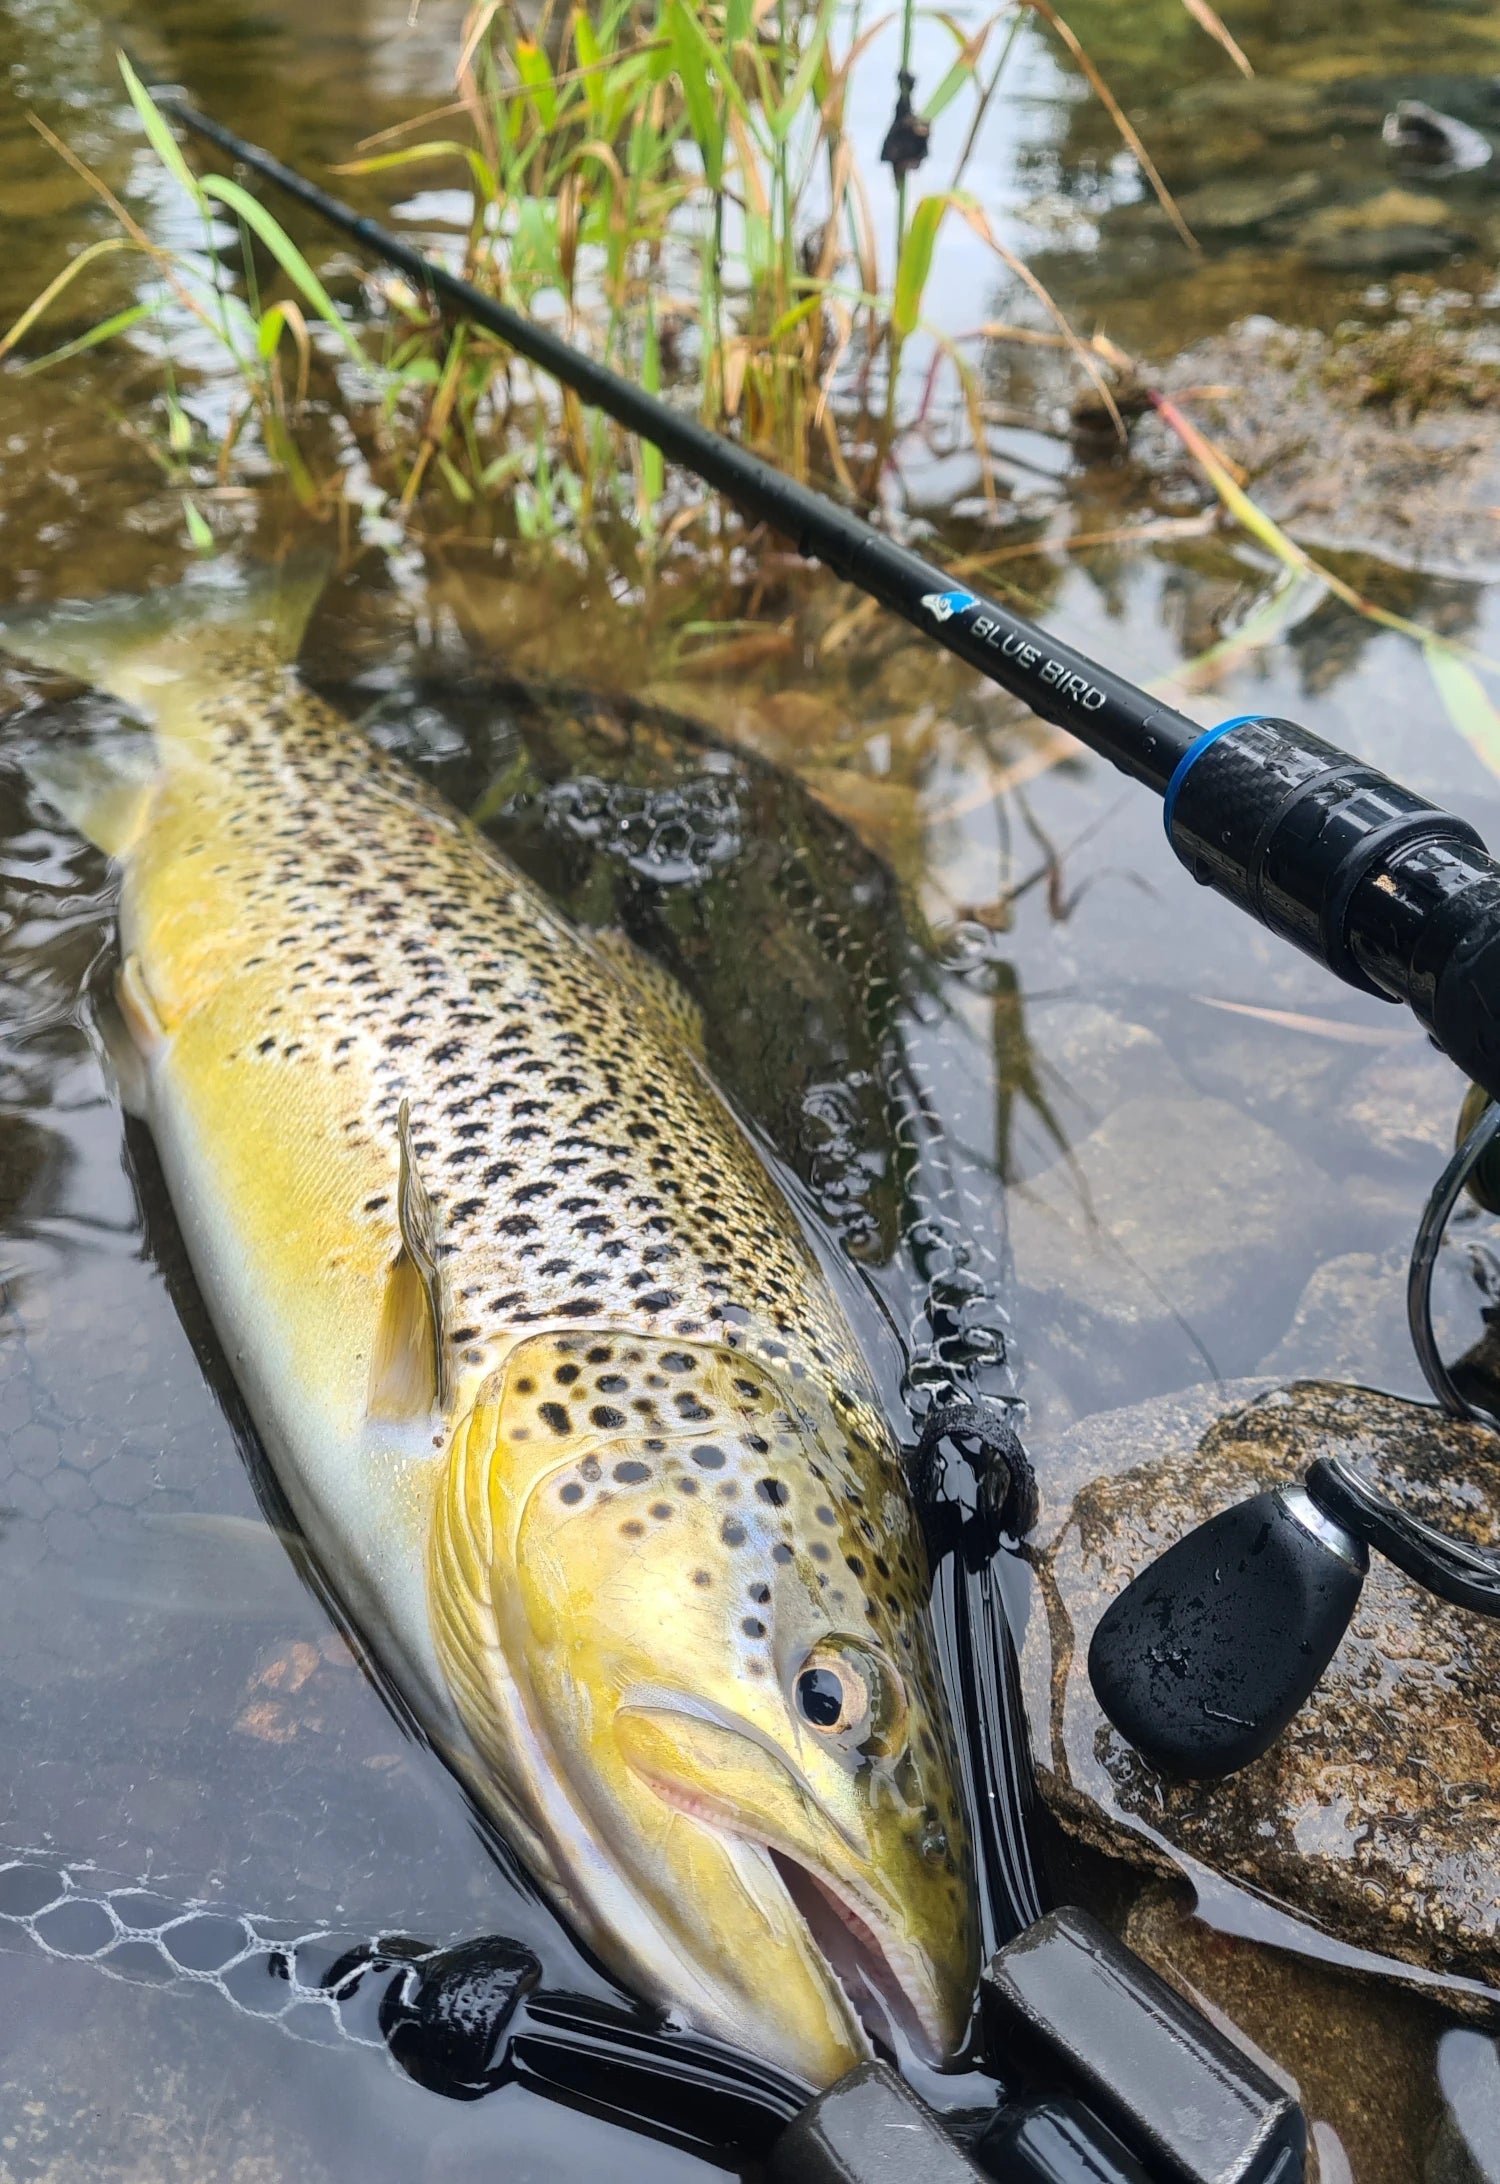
<point>1193,752</point>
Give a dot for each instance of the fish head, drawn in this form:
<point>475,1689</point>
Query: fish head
<point>708,1593</point>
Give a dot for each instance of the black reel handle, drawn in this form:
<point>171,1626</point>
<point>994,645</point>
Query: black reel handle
<point>1458,1572</point>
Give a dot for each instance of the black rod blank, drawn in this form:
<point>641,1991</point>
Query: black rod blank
<point>1387,891</point>
<point>1142,736</point>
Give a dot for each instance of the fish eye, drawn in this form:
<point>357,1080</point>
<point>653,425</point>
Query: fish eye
<point>846,1692</point>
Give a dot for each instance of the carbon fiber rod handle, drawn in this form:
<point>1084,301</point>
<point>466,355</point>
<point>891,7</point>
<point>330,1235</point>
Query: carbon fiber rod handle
<point>1389,892</point>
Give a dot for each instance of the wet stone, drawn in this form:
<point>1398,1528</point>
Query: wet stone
<point>1398,230</point>
<point>1099,1060</point>
<point>1135,1259</point>
<point>1241,202</point>
<point>1467,2148</point>
<point>1358,2054</point>
<point>1375,1818</point>
<point>1350,1324</point>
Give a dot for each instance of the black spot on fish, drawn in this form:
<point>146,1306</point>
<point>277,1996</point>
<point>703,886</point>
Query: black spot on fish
<point>702,1578</point>
<point>557,1418</point>
<point>753,1627</point>
<point>732,1532</point>
<point>772,1491</point>
<point>605,1418</point>
<point>632,1528</point>
<point>708,1458</point>
<point>631,1473</point>
<point>566,1375</point>
<point>781,1552</point>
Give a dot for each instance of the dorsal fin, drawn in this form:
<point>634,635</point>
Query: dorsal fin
<point>672,1007</point>
<point>408,1370</point>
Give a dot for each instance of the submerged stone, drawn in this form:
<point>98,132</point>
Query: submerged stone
<point>1359,2053</point>
<point>1375,1819</point>
<point>1395,230</point>
<point>1121,1255</point>
<point>1247,201</point>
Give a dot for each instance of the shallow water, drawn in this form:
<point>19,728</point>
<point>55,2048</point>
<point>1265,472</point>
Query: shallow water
<point>1182,1129</point>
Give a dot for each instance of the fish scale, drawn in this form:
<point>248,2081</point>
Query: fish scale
<point>631,1534</point>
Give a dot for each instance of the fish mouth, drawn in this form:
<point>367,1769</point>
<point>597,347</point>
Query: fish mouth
<point>894,2012</point>
<point>883,2004</point>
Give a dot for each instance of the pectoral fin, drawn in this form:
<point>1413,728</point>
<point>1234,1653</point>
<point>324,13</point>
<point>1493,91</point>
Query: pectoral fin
<point>132,1035</point>
<point>674,1010</point>
<point>408,1378</point>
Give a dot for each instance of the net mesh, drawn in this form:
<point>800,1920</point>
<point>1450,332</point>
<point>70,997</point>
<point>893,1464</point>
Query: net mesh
<point>309,1982</point>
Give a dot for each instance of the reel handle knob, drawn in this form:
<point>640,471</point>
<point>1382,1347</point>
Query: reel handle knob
<point>1205,1657</point>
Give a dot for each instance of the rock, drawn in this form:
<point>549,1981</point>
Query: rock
<point>1358,2052</point>
<point>1419,136</point>
<point>1278,106</point>
<point>1310,417</point>
<point>1164,1239</point>
<point>1238,202</point>
<point>1396,230</point>
<point>1351,1325</point>
<point>1375,1818</point>
<point>1098,1060</point>
<point>1406,1105</point>
<point>1296,1080</point>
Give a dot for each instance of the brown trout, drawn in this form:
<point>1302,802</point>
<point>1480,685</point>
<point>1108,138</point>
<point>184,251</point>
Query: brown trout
<point>538,1350</point>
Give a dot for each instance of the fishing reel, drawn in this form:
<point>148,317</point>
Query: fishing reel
<point>1207,1655</point>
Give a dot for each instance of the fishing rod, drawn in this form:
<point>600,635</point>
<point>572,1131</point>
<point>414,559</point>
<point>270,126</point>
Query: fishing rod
<point>1395,896</point>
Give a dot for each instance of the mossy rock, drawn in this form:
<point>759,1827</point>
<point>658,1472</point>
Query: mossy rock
<point>1374,1820</point>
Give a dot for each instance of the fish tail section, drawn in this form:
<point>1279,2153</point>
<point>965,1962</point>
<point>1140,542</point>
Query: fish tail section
<point>149,653</point>
<point>131,647</point>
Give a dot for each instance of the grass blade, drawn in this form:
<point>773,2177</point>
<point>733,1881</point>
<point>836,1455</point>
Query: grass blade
<point>286,254</point>
<point>1263,527</point>
<point>916,262</point>
<point>1206,19</point>
<point>1467,703</point>
<point>55,287</point>
<point>163,143</point>
<point>106,330</point>
<point>1121,121</point>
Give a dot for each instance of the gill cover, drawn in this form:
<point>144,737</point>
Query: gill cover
<point>683,1613</point>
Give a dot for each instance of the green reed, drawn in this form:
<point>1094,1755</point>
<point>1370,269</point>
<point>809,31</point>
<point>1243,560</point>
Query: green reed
<point>673,184</point>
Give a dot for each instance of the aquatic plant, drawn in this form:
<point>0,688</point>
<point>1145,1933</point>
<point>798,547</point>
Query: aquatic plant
<point>677,188</point>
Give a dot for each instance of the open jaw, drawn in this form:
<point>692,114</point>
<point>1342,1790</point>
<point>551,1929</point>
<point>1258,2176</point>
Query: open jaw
<point>853,1952</point>
<point>890,2010</point>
